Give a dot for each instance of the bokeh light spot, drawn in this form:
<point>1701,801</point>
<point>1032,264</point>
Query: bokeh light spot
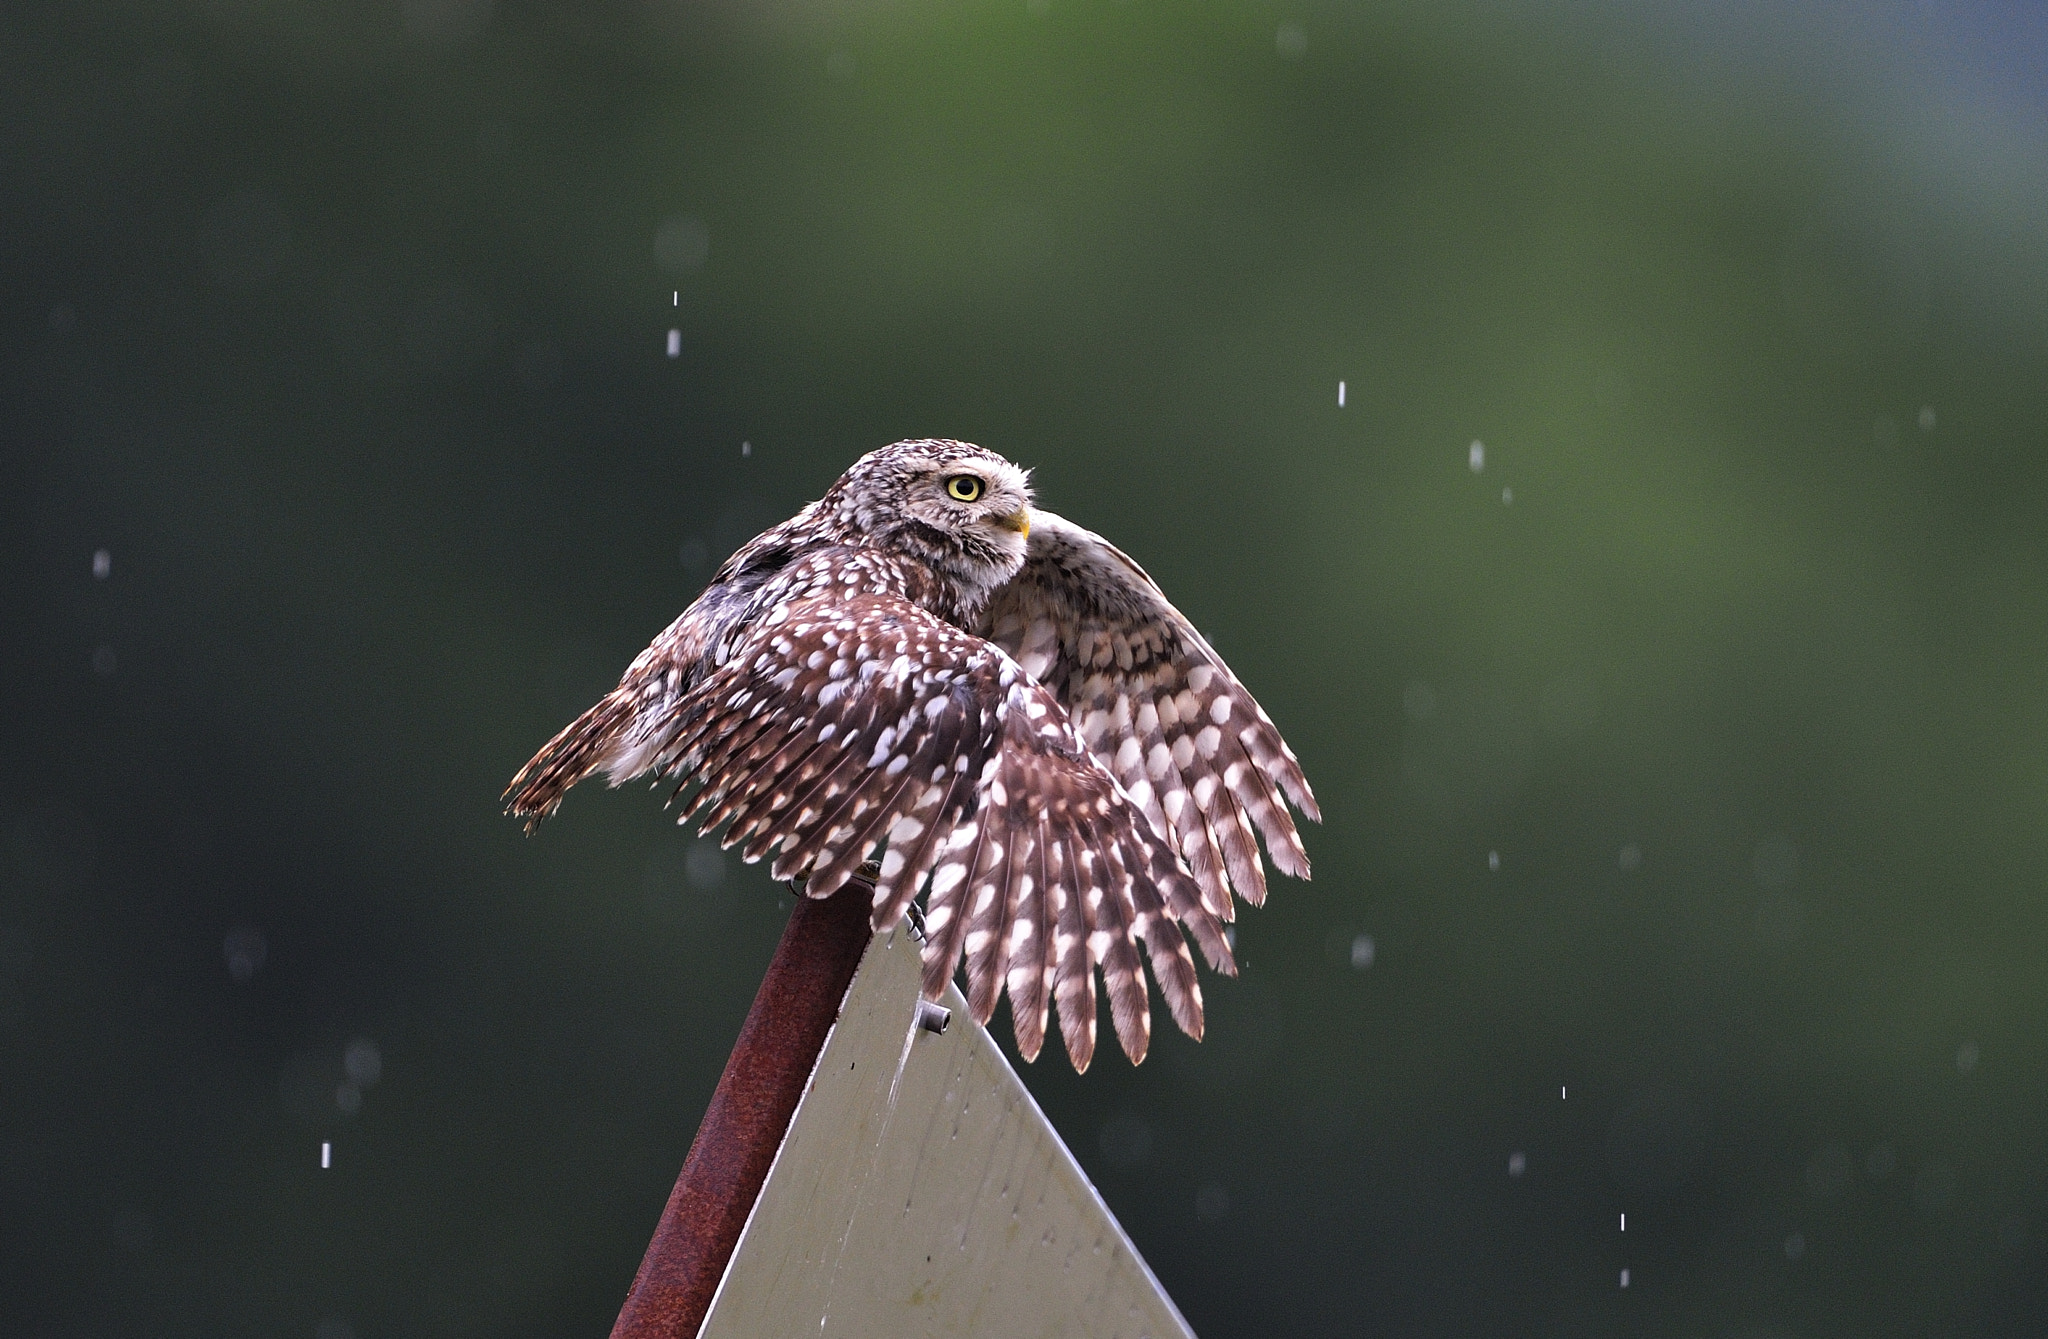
<point>246,951</point>
<point>1126,1141</point>
<point>682,244</point>
<point>363,1062</point>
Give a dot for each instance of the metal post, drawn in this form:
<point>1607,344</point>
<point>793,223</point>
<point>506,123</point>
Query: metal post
<point>749,1114</point>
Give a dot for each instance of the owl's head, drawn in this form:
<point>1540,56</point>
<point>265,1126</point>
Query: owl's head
<point>963,511</point>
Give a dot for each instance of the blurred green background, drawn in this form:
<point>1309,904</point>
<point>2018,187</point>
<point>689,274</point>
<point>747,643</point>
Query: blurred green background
<point>1661,620</point>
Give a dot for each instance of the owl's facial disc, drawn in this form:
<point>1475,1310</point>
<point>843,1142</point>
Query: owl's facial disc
<point>962,510</point>
<point>984,498</point>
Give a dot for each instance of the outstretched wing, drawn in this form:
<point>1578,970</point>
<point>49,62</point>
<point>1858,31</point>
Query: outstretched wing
<point>844,722</point>
<point>1156,706</point>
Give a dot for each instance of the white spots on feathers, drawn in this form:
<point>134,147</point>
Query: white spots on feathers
<point>1068,772</point>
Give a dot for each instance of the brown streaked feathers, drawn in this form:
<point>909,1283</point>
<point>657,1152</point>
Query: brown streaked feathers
<point>1024,728</point>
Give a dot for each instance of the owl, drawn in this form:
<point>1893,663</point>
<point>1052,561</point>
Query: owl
<point>999,702</point>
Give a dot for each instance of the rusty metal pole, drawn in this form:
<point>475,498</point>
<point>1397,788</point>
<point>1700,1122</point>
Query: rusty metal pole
<point>749,1114</point>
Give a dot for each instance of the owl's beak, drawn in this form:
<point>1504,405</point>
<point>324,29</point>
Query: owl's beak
<point>1019,520</point>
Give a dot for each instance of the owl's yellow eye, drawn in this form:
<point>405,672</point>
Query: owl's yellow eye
<point>963,488</point>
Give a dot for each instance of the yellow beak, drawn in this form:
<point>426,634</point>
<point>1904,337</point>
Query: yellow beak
<point>1020,521</point>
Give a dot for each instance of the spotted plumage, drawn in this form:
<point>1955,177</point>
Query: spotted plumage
<point>999,702</point>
